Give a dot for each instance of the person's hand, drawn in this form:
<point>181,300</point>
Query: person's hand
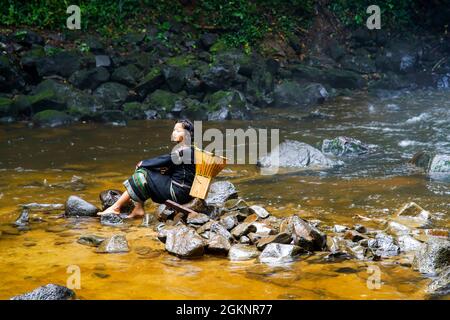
<point>139,164</point>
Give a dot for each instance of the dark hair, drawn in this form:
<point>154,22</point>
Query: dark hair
<point>187,125</point>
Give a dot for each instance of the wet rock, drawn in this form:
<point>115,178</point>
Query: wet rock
<point>218,228</point>
<point>284,238</point>
<point>208,39</point>
<point>259,211</point>
<point>163,232</point>
<point>275,253</point>
<point>414,210</point>
<point>242,230</point>
<point>23,219</point>
<point>399,57</point>
<point>295,154</point>
<point>218,244</point>
<point>75,206</point>
<point>244,240</point>
<point>398,228</point>
<point>228,105</point>
<point>163,213</point>
<point>408,243</point>
<point>102,60</point>
<point>111,219</point>
<point>90,240</point>
<point>197,218</point>
<point>62,63</point>
<point>110,196</point>
<point>440,285</point>
<point>47,292</point>
<point>342,146</point>
<point>151,81</point>
<point>148,220</point>
<point>197,205</point>
<point>220,192</point>
<point>304,235</point>
<point>113,94</point>
<point>339,229</point>
<point>438,164</point>
<point>360,228</point>
<point>293,94</point>
<point>228,221</point>
<point>412,215</point>
<point>354,235</point>
<point>89,78</point>
<point>115,244</point>
<point>383,245</point>
<point>184,242</point>
<point>336,78</point>
<point>127,75</point>
<point>241,252</point>
<point>433,256</point>
<point>263,228</point>
<point>51,118</point>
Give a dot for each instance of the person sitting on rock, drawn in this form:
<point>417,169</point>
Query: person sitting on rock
<point>167,177</point>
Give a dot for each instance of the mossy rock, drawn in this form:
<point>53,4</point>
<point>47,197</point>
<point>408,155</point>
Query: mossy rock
<point>51,118</point>
<point>134,110</point>
<point>219,46</point>
<point>5,107</point>
<point>50,94</point>
<point>151,81</point>
<point>162,100</point>
<point>181,61</point>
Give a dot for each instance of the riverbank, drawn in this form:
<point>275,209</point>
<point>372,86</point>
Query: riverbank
<point>51,78</point>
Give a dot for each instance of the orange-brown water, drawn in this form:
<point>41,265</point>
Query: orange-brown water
<point>35,164</point>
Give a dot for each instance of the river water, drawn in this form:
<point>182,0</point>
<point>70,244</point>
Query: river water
<point>37,165</point>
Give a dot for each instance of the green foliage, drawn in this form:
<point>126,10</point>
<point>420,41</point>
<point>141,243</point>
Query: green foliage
<point>394,13</point>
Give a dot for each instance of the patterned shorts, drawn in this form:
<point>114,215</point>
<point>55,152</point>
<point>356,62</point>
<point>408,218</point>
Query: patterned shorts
<point>137,186</point>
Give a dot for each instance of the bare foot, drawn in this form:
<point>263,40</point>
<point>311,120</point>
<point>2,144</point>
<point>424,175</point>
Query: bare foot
<point>109,210</point>
<point>137,212</point>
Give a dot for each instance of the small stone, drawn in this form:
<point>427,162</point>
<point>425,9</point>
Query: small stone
<point>259,211</point>
<point>275,253</point>
<point>242,230</point>
<point>244,240</point>
<point>197,218</point>
<point>412,209</point>
<point>111,219</point>
<point>218,244</point>
<point>339,229</point>
<point>283,238</point>
<point>219,229</point>
<point>360,228</point>
<point>116,244</point>
<point>90,240</point>
<point>47,292</point>
<point>354,236</point>
<point>184,242</point>
<point>75,206</point>
<point>229,221</point>
<point>241,252</point>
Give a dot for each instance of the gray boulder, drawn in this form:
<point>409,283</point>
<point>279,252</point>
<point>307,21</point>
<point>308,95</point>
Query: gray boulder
<point>51,118</point>
<point>304,235</point>
<point>113,94</point>
<point>218,244</point>
<point>115,244</point>
<point>112,220</point>
<point>342,146</point>
<point>48,292</point>
<point>276,253</point>
<point>75,206</point>
<point>293,94</point>
<point>63,64</point>
<point>383,245</point>
<point>242,252</point>
<point>90,240</point>
<point>295,154</point>
<point>441,284</point>
<point>433,256</point>
<point>89,78</point>
<point>220,192</point>
<point>184,242</point>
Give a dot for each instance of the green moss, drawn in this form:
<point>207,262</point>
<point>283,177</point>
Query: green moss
<point>219,46</point>
<point>162,100</point>
<point>5,106</point>
<point>47,116</point>
<point>155,72</point>
<point>181,61</point>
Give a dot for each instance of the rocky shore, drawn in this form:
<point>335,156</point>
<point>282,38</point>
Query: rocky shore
<point>225,225</point>
<point>51,79</point>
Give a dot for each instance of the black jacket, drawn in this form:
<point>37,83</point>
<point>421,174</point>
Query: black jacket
<point>180,165</point>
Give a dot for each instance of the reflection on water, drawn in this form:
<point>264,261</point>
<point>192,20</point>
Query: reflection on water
<point>39,165</point>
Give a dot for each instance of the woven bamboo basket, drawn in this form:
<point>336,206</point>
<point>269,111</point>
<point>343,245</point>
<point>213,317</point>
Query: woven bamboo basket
<point>208,165</point>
